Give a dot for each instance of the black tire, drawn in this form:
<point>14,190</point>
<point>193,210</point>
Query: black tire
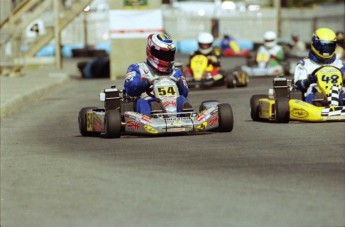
<point>230,81</point>
<point>83,124</point>
<point>203,104</point>
<point>254,107</point>
<point>282,110</point>
<point>226,118</point>
<point>112,124</point>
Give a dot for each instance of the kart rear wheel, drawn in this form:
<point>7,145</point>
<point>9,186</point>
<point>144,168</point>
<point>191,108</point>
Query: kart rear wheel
<point>230,81</point>
<point>254,107</point>
<point>226,118</point>
<point>82,121</point>
<point>282,110</point>
<point>112,124</point>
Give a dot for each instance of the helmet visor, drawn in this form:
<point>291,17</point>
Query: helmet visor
<point>205,45</point>
<point>165,55</point>
<point>325,47</point>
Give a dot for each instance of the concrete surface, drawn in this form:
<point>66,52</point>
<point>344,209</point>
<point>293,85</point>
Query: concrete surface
<point>35,81</point>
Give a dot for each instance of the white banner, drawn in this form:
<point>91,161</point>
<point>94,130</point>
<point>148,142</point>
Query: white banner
<point>134,23</point>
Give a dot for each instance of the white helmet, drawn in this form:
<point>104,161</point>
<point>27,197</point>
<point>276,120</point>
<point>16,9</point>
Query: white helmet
<point>270,39</point>
<point>205,41</point>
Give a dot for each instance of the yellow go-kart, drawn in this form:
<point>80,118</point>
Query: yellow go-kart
<point>202,74</point>
<point>284,102</point>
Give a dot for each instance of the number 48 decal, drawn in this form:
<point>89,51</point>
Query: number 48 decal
<point>327,78</point>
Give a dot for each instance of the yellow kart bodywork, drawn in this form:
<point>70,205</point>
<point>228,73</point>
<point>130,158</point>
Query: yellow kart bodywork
<point>199,65</point>
<point>302,111</point>
<point>282,106</point>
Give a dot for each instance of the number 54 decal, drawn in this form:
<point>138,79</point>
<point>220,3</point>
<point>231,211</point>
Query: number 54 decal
<point>166,91</point>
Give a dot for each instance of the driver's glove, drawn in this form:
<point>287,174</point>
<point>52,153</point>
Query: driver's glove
<point>145,83</point>
<point>311,78</point>
<point>304,84</point>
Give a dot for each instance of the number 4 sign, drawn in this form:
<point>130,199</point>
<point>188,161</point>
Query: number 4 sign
<point>34,29</point>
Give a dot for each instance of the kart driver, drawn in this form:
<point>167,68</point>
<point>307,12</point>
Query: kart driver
<point>322,53</point>
<point>160,51</point>
<point>272,49</point>
<point>205,43</point>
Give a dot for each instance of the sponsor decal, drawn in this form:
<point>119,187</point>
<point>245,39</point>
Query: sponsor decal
<point>332,118</point>
<point>168,103</point>
<point>97,125</point>
<point>150,129</point>
<point>215,111</point>
<point>213,120</point>
<point>129,116</point>
<point>299,113</point>
<point>89,121</point>
<point>200,117</point>
<point>176,123</point>
<point>176,130</point>
<point>133,124</point>
<point>146,118</point>
<point>201,126</point>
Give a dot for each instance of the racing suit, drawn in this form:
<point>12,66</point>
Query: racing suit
<point>304,69</point>
<point>276,55</point>
<point>138,80</point>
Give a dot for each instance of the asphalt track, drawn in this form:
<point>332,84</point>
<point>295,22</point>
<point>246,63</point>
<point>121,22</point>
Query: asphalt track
<point>260,174</point>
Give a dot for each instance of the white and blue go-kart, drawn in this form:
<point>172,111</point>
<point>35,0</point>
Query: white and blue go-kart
<point>258,67</point>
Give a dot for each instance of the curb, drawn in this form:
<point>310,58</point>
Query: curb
<point>18,102</point>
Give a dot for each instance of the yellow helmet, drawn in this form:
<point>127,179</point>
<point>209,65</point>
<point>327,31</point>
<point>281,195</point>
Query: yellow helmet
<point>323,43</point>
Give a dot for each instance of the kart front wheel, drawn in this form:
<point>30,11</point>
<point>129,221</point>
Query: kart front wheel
<point>112,124</point>
<point>82,121</point>
<point>282,110</point>
<point>254,107</point>
<point>226,117</point>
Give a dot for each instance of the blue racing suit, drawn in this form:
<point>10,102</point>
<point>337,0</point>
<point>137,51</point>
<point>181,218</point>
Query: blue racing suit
<point>138,79</point>
<point>303,73</point>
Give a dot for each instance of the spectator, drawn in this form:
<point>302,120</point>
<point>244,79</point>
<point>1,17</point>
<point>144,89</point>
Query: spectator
<point>297,46</point>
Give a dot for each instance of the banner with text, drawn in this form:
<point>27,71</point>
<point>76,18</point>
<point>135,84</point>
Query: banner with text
<point>134,23</point>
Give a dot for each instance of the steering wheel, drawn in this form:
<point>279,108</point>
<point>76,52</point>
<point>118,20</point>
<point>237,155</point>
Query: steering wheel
<point>149,92</point>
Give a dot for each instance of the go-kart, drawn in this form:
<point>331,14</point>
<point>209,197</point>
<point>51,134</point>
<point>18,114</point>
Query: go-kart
<point>200,75</point>
<point>284,102</point>
<point>259,66</point>
<point>119,117</point>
